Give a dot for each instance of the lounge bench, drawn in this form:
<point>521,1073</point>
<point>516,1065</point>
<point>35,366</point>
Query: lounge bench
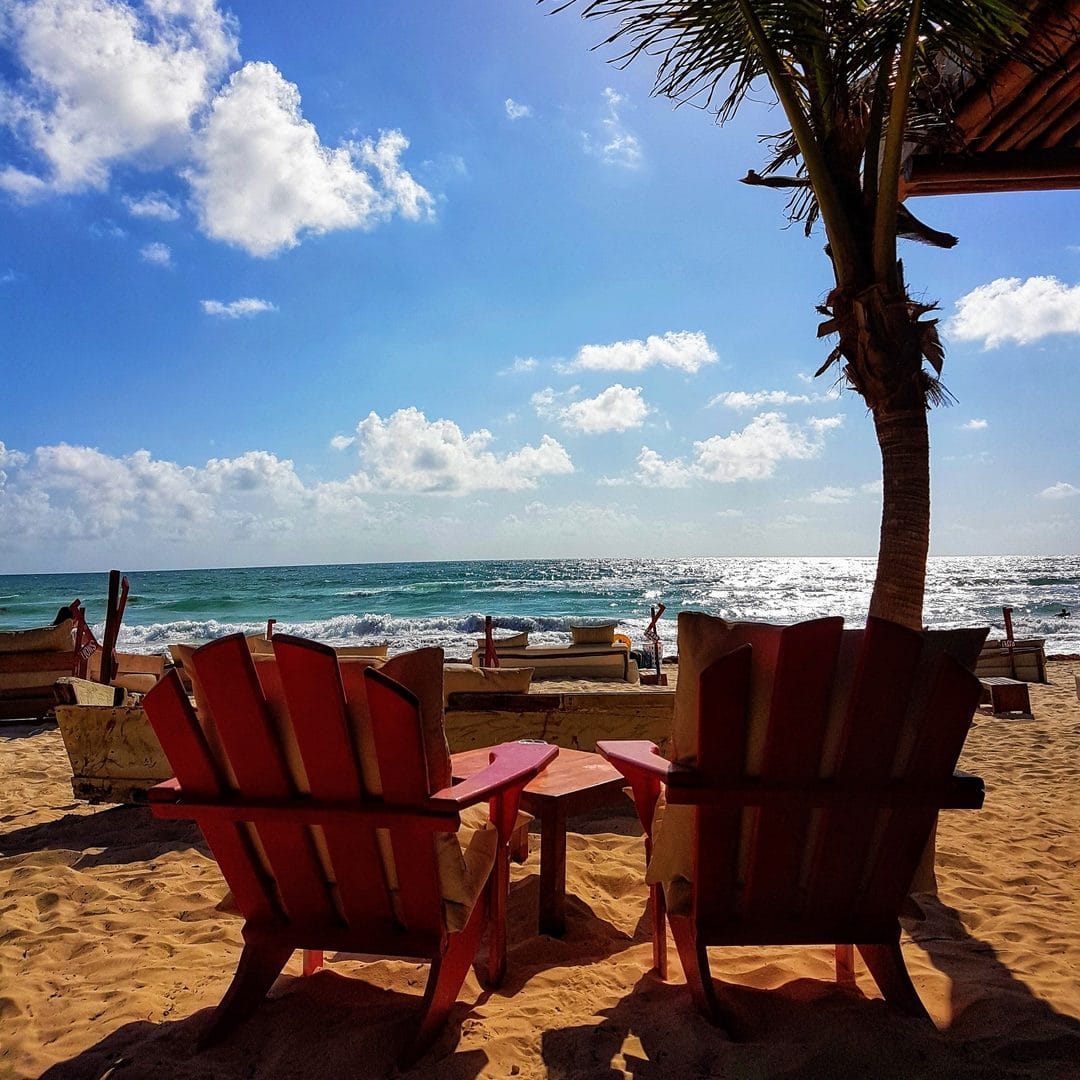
<point>568,661</point>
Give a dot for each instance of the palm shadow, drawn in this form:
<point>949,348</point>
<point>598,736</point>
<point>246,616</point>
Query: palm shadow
<point>125,834</point>
<point>994,1006</point>
<point>813,1028</point>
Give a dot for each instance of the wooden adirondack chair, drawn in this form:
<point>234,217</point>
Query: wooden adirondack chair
<point>318,807</point>
<point>810,766</point>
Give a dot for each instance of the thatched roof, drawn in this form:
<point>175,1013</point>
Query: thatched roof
<point>1019,127</point>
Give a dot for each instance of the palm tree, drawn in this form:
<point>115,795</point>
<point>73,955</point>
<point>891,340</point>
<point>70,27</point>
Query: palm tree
<point>861,83</point>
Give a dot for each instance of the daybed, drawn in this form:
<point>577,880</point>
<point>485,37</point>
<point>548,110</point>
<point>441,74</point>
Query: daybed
<point>592,654</point>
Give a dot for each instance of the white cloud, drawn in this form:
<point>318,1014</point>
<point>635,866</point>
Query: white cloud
<point>741,399</point>
<point>408,453</point>
<point>156,205</point>
<point>263,178</point>
<point>976,425</point>
<point>684,350</point>
<point>520,366</point>
<point>109,83</point>
<point>157,253</point>
<point>750,454</point>
<point>106,83</point>
<point>64,495</point>
<point>831,496</point>
<point>616,145</point>
<point>654,471</point>
<point>516,111</point>
<point>245,307</point>
<point>1010,310</point>
<point>342,442</point>
<point>1060,490</point>
<point>618,408</point>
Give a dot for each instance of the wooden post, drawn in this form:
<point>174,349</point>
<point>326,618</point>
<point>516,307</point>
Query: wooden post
<point>1006,613</point>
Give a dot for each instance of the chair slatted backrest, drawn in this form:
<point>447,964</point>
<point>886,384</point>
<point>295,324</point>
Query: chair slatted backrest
<point>287,732</point>
<point>793,705</point>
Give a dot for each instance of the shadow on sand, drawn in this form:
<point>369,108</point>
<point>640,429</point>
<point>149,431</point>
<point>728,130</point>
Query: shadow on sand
<point>810,1028</point>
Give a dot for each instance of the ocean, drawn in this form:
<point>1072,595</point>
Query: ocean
<point>444,603</point>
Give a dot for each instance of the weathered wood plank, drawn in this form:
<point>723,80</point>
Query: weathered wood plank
<point>575,720</point>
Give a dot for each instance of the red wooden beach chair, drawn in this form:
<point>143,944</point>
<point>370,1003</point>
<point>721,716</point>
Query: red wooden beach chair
<point>320,812</point>
<point>810,765</point>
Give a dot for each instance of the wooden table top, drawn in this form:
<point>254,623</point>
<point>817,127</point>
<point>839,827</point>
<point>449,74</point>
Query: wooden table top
<point>573,771</point>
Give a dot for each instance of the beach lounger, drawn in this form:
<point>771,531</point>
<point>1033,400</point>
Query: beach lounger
<point>329,809</point>
<point>810,763</point>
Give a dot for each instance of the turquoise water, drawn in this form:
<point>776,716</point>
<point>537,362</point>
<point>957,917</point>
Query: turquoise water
<point>444,603</point>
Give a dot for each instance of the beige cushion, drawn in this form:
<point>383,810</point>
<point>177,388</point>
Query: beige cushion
<point>458,678</point>
<point>378,652</point>
<point>421,672</point>
<point>138,682</point>
<point>599,634</point>
<point>57,638</point>
<point>515,641</point>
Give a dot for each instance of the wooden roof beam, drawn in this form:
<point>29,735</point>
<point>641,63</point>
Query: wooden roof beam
<point>957,174</point>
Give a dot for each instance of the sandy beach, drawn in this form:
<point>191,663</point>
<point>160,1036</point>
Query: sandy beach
<point>112,951</point>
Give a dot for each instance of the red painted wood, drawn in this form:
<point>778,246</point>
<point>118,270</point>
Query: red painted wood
<point>316,699</point>
<point>724,696</point>
<point>250,738</point>
<point>873,723</point>
<point>798,714</point>
<point>399,748</point>
<point>177,728</point>
<point>303,690</point>
<point>942,728</point>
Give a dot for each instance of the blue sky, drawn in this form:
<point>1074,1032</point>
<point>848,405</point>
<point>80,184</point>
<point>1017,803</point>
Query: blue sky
<point>398,280</point>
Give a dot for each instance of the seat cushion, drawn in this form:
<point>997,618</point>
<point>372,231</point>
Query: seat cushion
<point>462,678</point>
<point>596,634</point>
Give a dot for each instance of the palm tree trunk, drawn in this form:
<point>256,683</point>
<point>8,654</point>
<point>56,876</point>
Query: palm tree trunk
<point>904,440</point>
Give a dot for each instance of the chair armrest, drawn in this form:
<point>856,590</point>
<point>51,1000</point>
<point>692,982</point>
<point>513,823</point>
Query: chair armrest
<point>640,762</point>
<point>637,754</point>
<point>168,791</point>
<point>688,787</point>
<point>512,765</point>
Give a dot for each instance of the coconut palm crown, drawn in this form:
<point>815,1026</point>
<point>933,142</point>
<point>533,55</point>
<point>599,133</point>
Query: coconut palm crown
<point>862,83</point>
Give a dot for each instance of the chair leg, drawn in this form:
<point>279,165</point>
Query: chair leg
<point>260,964</point>
<point>495,899</point>
<point>448,971</point>
<point>845,966</point>
<point>695,963</point>
<point>658,912</point>
<point>886,964</point>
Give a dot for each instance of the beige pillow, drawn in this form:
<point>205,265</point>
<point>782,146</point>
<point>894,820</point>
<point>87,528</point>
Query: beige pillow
<point>457,678</point>
<point>515,641</point>
<point>379,652</point>
<point>600,634</point>
<point>57,638</point>
<point>421,672</point>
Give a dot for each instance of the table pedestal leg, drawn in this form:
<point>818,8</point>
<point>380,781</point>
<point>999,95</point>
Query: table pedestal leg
<point>553,869</point>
